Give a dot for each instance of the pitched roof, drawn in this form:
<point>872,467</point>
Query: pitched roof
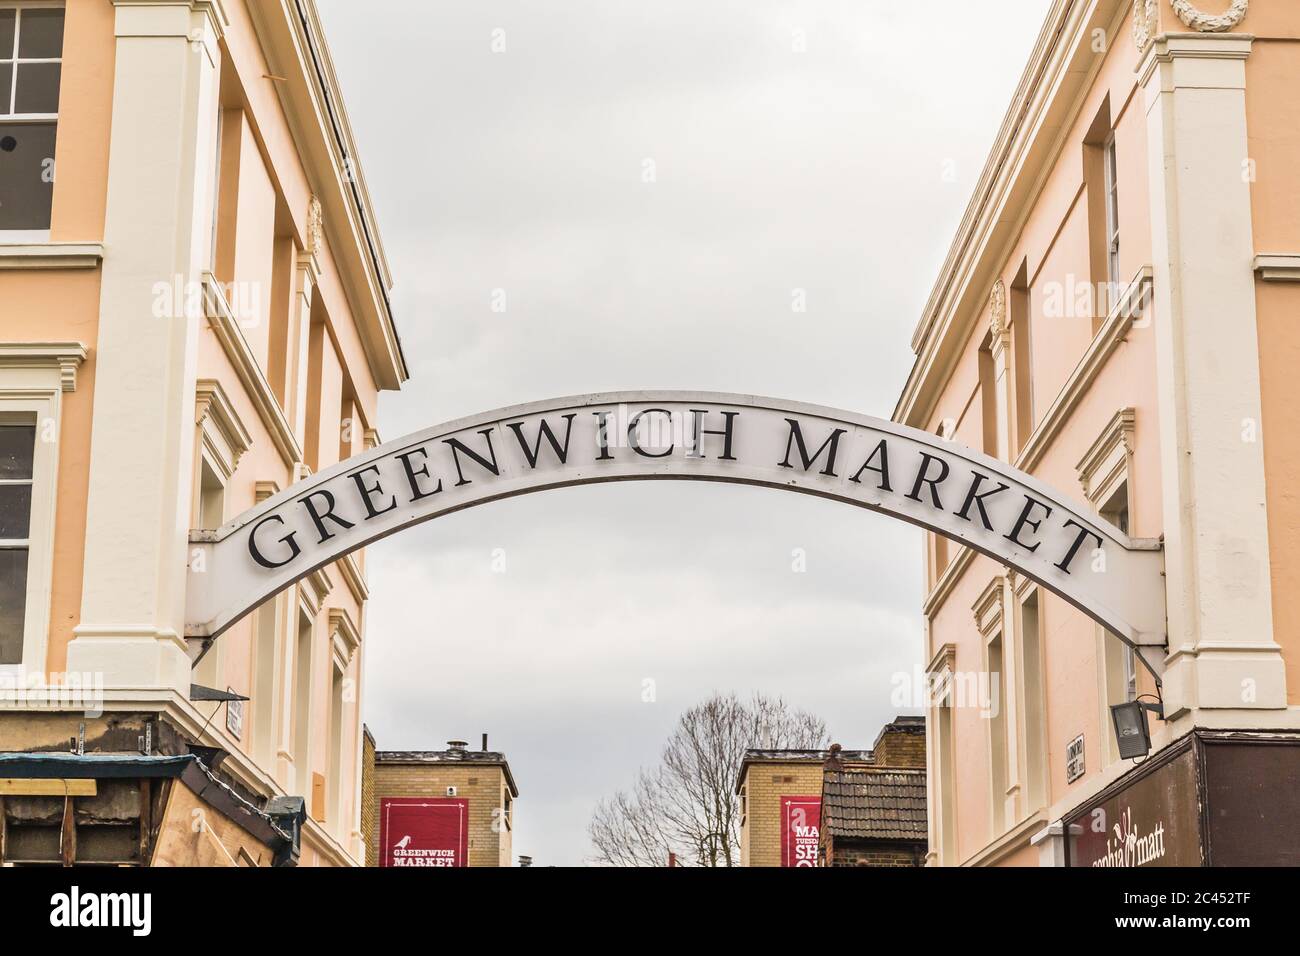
<point>874,804</point>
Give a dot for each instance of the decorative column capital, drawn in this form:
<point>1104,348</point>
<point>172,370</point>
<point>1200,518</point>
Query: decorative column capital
<point>1146,22</point>
<point>998,328</point>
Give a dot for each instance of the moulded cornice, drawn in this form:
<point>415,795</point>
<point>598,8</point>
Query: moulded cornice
<point>1060,72</point>
<point>212,404</point>
<point>65,356</point>
<point>312,102</point>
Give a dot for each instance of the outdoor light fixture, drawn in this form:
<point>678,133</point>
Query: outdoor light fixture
<point>1132,731</point>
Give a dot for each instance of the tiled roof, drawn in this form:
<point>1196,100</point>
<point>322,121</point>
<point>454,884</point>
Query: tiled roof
<point>874,804</point>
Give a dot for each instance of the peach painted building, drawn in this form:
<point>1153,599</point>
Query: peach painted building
<point>1117,316</point>
<point>194,314</point>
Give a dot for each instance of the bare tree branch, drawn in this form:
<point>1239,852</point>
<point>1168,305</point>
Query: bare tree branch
<point>688,804</point>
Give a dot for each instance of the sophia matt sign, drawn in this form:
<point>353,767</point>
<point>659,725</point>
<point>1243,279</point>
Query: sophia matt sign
<point>978,501</point>
<point>423,831</point>
<point>1153,822</point>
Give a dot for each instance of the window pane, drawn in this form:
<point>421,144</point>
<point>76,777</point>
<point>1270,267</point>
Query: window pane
<point>40,35</point>
<point>6,85</point>
<point>6,33</point>
<point>38,88</point>
<point>13,604</point>
<point>15,511</point>
<point>26,175</point>
<point>17,446</point>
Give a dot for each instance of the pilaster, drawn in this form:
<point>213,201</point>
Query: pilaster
<point>157,234</point>
<point>1221,649</point>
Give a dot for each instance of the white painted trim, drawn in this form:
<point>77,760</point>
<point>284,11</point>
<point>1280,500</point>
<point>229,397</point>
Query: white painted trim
<point>50,255</point>
<point>33,392</point>
<point>1108,457</point>
<point>1133,304</point>
<point>65,357</point>
<point>223,433</point>
<point>354,577</point>
<point>1278,267</point>
<point>345,636</point>
<point>1052,91</point>
<point>223,322</point>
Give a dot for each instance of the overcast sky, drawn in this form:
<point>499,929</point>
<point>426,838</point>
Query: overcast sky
<point>650,186</point>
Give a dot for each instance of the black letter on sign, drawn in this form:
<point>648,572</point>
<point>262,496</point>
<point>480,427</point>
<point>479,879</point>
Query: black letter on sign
<point>372,490</point>
<point>318,518</point>
<point>934,483</point>
<point>412,474</point>
<point>1024,521</point>
<point>634,427</point>
<point>257,553</point>
<point>699,431</point>
<point>972,498</point>
<point>602,436</point>
<point>883,471</point>
<point>796,437</point>
<point>457,446</point>
<point>1078,543</point>
<point>544,428</point>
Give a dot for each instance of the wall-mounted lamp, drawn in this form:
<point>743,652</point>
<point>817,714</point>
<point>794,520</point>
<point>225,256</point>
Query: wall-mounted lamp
<point>1132,730</point>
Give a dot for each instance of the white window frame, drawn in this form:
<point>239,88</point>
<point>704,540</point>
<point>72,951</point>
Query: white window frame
<point>1110,168</point>
<point>999,733</point>
<point>33,380</point>
<point>1103,471</point>
<point>16,236</point>
<point>941,787</point>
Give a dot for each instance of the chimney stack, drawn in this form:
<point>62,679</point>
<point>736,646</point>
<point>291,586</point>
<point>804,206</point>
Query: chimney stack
<point>485,743</point>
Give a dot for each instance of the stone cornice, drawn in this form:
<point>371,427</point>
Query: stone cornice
<point>51,255</point>
<point>66,356</point>
<point>312,103</point>
<point>1061,69</point>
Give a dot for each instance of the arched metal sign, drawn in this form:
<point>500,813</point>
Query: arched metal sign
<point>968,497</point>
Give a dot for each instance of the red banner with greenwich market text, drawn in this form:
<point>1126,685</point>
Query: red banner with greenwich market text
<point>423,831</point>
<point>801,819</point>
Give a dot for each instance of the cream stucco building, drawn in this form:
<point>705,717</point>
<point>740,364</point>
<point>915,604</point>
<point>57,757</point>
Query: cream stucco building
<point>1117,317</point>
<point>194,314</point>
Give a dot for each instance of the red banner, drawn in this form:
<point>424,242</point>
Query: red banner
<point>801,819</point>
<point>423,831</point>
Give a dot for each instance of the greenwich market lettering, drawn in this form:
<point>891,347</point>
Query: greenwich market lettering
<point>474,458</point>
<point>983,504</point>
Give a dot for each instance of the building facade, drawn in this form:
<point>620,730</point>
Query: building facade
<point>1116,317</point>
<point>193,315</point>
<point>452,807</point>
<point>780,805</point>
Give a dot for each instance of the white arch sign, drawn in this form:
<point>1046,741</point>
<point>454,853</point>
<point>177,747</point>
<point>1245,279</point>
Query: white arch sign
<point>968,497</point>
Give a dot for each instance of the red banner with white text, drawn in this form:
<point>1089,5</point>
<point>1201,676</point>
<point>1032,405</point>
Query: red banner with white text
<point>801,819</point>
<point>423,831</point>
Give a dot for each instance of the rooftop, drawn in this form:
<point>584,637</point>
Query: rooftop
<point>874,804</point>
<point>477,758</point>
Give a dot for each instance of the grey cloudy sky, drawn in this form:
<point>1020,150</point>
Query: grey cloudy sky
<point>840,171</point>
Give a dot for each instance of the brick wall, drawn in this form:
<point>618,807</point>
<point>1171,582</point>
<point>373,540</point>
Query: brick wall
<point>884,853</point>
<point>764,785</point>
<point>369,805</point>
<point>900,747</point>
<point>483,786</point>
